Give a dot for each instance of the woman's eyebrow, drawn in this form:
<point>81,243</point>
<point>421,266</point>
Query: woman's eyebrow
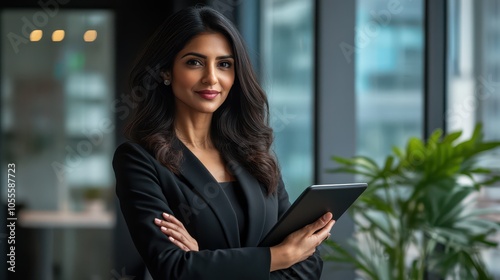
<point>205,57</point>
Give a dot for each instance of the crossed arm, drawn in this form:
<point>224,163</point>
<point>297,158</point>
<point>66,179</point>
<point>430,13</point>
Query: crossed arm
<point>297,247</point>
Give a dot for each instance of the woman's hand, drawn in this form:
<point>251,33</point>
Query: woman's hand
<point>177,233</point>
<point>301,244</point>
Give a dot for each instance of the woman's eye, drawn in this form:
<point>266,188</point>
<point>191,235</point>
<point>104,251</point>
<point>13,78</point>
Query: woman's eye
<point>225,64</point>
<point>193,62</point>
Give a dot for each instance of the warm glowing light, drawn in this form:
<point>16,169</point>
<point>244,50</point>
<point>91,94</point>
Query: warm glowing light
<point>36,35</point>
<point>58,35</point>
<point>90,36</point>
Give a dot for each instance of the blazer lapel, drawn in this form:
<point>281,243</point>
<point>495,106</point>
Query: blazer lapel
<point>255,201</point>
<point>210,191</point>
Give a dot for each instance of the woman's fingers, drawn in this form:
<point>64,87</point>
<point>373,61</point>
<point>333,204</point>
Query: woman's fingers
<point>172,219</point>
<point>179,239</point>
<point>319,223</point>
<point>324,233</point>
<point>318,231</point>
<point>321,228</point>
<point>178,243</point>
<point>177,233</point>
<point>168,225</point>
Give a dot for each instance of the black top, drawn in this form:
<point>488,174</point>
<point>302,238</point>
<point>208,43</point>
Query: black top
<point>238,202</point>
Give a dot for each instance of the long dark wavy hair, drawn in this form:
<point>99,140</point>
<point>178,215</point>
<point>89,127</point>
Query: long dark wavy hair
<point>240,128</point>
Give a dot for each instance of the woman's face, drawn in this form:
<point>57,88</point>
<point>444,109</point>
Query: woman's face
<point>202,74</point>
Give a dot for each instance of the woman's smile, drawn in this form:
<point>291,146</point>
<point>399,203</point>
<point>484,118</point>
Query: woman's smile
<point>208,94</point>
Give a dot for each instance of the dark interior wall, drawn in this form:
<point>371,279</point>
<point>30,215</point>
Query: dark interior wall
<point>134,24</point>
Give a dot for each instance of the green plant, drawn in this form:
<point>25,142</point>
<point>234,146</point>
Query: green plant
<point>419,215</point>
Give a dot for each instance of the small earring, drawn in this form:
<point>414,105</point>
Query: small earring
<point>166,82</point>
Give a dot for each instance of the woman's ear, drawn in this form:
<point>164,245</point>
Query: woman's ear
<point>166,78</point>
<point>165,75</point>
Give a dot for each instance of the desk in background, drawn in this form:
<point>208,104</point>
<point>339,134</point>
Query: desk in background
<point>47,221</point>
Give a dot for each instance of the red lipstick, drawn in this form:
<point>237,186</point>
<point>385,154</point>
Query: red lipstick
<point>208,94</point>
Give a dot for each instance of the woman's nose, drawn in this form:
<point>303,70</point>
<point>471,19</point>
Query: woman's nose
<point>210,77</point>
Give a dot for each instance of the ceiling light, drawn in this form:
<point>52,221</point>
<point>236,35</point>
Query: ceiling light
<point>36,35</point>
<point>90,36</point>
<point>58,35</point>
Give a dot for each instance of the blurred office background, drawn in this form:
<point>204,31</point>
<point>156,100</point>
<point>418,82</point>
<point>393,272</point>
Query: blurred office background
<point>343,78</point>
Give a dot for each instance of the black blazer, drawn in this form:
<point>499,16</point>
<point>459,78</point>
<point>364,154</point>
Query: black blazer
<point>145,189</point>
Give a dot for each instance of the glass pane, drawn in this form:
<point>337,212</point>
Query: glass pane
<point>288,69</point>
<point>57,125</point>
<point>57,86</point>
<point>389,82</point>
<point>474,86</point>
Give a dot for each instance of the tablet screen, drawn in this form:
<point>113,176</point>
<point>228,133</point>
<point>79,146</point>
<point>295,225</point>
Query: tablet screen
<point>314,201</point>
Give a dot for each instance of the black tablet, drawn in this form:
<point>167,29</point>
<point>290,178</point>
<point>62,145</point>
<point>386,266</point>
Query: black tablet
<point>314,201</point>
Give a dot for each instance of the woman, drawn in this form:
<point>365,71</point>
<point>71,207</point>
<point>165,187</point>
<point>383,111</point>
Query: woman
<point>197,183</point>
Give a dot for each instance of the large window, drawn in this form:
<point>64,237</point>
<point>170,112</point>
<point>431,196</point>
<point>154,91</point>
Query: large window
<point>389,82</point>
<point>474,85</point>
<point>287,67</point>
